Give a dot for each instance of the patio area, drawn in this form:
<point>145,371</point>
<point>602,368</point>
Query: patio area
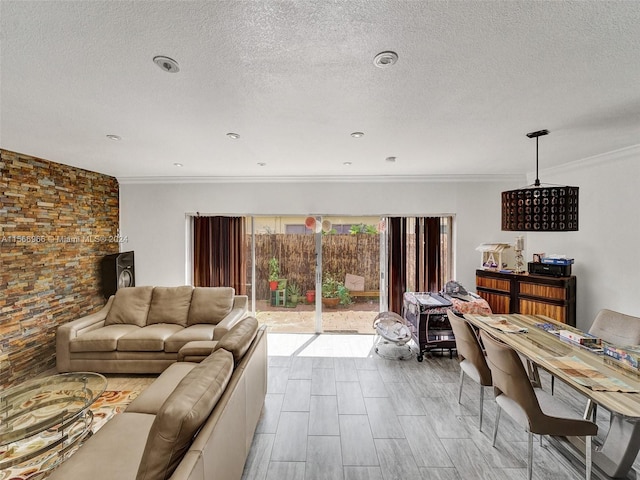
<point>355,318</point>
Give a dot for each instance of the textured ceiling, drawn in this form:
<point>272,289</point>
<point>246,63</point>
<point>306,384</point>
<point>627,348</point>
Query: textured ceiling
<point>295,78</point>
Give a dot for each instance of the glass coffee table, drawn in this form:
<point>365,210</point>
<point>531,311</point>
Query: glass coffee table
<point>43,419</point>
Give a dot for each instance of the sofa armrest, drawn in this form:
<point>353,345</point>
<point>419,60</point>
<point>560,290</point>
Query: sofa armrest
<point>65,333</point>
<point>241,301</point>
<point>229,321</point>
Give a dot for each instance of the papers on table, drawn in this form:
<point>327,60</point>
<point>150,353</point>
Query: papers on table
<point>590,377</point>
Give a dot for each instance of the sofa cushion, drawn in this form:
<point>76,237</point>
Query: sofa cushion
<point>104,339</point>
<point>239,338</point>
<point>182,414</point>
<point>113,452</point>
<point>147,339</point>
<point>130,306</point>
<point>170,305</point>
<point>152,397</point>
<point>179,339</point>
<point>210,304</point>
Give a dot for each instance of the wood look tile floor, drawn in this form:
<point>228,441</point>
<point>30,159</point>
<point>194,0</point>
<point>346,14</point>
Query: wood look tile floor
<point>336,410</point>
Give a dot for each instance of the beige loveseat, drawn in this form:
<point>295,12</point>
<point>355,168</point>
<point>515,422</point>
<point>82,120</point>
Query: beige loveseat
<point>194,422</point>
<point>142,329</point>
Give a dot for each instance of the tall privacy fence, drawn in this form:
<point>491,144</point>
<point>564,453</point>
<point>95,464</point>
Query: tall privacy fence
<point>341,254</point>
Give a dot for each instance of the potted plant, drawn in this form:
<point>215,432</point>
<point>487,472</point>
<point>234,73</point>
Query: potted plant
<point>274,273</point>
<point>344,296</point>
<point>293,292</point>
<point>310,296</point>
<point>330,289</point>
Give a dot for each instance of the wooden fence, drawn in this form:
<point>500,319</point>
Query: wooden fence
<point>341,254</point>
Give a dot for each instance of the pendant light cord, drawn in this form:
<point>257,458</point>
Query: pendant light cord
<point>537,135</point>
<point>537,182</point>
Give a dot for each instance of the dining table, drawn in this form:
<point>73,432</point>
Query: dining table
<point>603,381</point>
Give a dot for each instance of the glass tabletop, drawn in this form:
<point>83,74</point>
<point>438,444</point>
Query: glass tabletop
<point>544,349</point>
<point>49,403</point>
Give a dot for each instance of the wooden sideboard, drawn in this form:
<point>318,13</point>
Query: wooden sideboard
<point>529,294</point>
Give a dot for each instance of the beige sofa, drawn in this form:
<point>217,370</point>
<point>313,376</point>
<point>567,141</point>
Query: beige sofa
<point>195,422</point>
<point>142,329</point>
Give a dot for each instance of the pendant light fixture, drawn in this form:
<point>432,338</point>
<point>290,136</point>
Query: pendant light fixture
<point>540,208</point>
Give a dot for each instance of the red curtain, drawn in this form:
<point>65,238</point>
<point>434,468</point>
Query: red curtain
<point>428,264</point>
<point>397,258</point>
<point>219,255</point>
<point>427,270</point>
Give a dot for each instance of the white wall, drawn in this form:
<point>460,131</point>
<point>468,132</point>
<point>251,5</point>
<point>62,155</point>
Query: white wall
<point>153,215</point>
<point>607,258</point>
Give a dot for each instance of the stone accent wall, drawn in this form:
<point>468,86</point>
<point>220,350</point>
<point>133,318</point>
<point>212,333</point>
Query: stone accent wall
<point>56,223</point>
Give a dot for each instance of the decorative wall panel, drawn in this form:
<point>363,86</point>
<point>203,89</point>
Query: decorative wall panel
<point>56,223</point>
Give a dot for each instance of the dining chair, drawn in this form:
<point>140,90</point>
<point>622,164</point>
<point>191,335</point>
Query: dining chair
<point>526,406</point>
<point>471,356</point>
<point>617,328</point>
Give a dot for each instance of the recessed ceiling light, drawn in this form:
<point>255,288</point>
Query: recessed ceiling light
<point>167,64</point>
<point>390,159</point>
<point>115,138</point>
<point>177,164</point>
<point>357,134</point>
<point>233,136</point>
<point>262,164</point>
<point>385,59</point>
<point>346,163</point>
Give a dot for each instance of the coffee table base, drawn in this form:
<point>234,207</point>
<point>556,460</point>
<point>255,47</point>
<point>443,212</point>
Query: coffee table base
<point>46,418</point>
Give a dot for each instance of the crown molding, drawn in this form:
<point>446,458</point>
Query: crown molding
<point>484,178</point>
<point>607,157</point>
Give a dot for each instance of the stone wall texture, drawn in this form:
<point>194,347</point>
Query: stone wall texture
<point>56,223</point>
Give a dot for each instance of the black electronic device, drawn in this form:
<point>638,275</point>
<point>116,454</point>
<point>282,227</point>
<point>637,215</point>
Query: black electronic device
<point>537,268</point>
<point>117,272</point>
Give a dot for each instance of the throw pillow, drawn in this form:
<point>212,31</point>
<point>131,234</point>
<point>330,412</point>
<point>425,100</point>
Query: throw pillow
<point>210,304</point>
<point>130,306</point>
<point>170,305</point>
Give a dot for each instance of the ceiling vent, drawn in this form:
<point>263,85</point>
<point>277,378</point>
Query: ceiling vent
<point>167,64</point>
<point>385,59</point>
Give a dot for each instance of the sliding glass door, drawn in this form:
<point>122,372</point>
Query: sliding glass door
<point>331,273</point>
<point>283,276</point>
<point>350,278</point>
<point>314,274</point>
